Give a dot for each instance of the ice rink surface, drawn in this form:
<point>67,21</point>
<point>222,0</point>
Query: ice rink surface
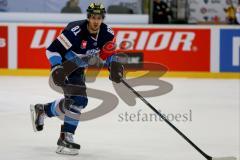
<point>212,107</point>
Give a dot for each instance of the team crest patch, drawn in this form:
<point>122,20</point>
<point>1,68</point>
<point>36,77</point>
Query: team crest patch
<point>84,44</point>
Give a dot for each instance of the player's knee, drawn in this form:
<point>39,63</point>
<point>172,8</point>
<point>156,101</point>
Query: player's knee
<point>80,101</point>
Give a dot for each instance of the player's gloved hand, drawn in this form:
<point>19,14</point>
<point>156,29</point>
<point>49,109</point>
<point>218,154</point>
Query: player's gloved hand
<point>58,75</point>
<point>116,71</point>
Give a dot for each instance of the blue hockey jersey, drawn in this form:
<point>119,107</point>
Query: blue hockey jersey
<point>76,39</point>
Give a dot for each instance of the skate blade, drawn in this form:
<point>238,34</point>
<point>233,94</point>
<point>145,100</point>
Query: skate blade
<point>67,151</point>
<point>33,117</point>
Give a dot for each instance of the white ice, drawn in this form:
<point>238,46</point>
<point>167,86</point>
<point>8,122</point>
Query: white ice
<point>214,127</point>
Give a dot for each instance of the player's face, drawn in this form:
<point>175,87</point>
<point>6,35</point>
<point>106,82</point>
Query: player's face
<point>95,22</point>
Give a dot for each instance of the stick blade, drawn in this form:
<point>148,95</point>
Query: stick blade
<point>225,158</point>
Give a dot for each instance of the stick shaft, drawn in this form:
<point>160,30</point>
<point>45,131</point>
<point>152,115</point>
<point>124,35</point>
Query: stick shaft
<point>167,121</point>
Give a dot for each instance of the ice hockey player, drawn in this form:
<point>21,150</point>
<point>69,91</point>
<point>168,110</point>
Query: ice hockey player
<point>79,38</point>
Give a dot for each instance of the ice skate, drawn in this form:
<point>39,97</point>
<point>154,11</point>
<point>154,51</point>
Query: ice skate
<point>37,116</point>
<point>66,144</point>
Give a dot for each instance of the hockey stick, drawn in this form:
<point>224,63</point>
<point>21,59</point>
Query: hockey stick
<point>175,128</point>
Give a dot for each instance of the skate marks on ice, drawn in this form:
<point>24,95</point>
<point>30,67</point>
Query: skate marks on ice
<point>49,153</point>
<point>27,145</point>
<point>225,158</point>
<point>43,152</point>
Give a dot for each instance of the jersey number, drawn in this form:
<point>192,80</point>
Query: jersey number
<point>76,30</point>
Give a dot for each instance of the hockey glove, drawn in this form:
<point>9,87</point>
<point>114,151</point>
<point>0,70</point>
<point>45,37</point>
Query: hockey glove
<point>58,75</point>
<point>116,71</point>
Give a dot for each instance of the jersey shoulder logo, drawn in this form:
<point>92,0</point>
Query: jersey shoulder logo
<point>109,29</point>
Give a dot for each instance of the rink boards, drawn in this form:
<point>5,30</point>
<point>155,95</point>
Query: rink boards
<point>185,51</point>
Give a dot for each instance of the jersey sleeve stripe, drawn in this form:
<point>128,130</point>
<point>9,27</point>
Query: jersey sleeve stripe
<point>64,41</point>
<point>54,58</point>
<point>50,54</point>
